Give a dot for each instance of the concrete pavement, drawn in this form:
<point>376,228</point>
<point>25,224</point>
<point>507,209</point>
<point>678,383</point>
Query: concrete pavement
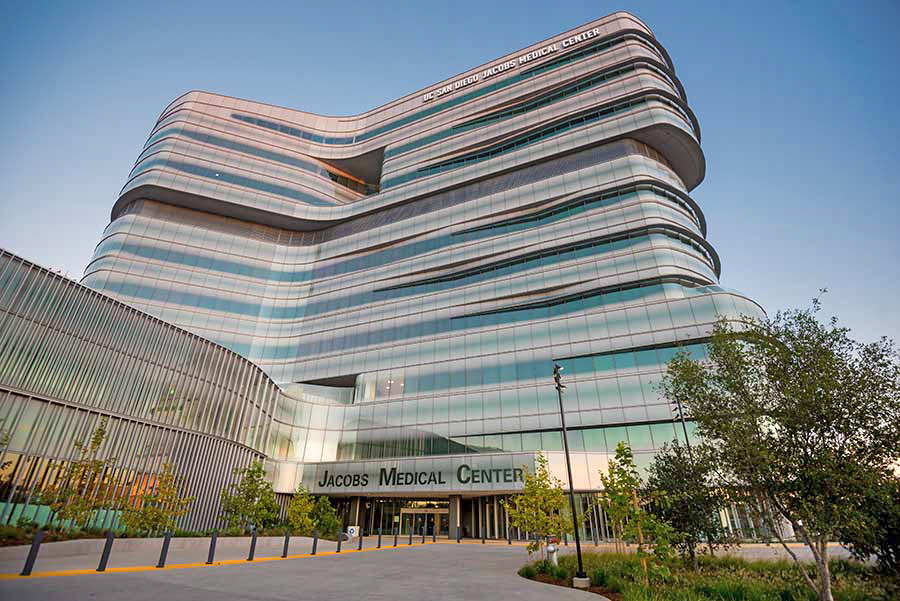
<point>469,570</point>
<point>438,571</point>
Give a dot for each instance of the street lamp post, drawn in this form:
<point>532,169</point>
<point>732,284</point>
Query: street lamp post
<point>557,377</point>
<point>679,411</point>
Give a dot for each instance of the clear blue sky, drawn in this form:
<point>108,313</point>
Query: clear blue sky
<point>797,101</point>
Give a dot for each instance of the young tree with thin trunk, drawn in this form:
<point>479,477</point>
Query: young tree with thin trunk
<point>251,502</point>
<point>324,518</point>
<point>159,510</point>
<point>75,495</point>
<point>301,510</point>
<point>622,486</point>
<point>803,418</point>
<point>542,508</point>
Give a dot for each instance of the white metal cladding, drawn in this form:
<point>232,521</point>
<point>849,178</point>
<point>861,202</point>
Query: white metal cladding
<point>539,214</point>
<point>395,286</point>
<point>71,357</point>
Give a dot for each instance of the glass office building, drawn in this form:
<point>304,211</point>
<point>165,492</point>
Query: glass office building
<point>405,278</point>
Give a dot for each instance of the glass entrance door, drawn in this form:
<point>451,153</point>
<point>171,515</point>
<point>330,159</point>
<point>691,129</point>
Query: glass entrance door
<point>405,515</point>
<point>436,522</point>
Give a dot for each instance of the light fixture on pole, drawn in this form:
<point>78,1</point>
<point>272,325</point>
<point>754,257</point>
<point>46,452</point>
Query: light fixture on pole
<point>678,410</point>
<point>557,377</point>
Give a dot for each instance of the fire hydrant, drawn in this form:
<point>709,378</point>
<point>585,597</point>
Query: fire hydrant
<point>553,553</point>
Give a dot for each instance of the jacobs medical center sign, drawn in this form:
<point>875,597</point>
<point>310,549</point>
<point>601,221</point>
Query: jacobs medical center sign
<point>507,65</point>
<point>502,473</point>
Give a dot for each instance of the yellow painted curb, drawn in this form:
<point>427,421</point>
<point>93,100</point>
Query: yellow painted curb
<point>182,566</point>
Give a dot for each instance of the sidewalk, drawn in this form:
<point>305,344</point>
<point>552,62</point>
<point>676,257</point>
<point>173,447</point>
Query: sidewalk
<point>135,554</point>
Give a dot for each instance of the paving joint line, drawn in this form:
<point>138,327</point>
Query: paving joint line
<point>193,565</point>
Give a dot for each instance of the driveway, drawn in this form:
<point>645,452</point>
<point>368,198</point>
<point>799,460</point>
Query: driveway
<point>432,571</point>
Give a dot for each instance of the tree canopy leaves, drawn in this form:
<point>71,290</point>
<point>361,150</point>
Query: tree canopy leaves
<point>251,502</point>
<point>690,496</point>
<point>541,509</point>
<point>802,418</point>
<point>158,511</point>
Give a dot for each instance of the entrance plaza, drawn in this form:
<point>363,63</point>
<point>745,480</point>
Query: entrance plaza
<point>439,570</point>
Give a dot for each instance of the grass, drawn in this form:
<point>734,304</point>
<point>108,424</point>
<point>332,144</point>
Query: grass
<point>725,578</point>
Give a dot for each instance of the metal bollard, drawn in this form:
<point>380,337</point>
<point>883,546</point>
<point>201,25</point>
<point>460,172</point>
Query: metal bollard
<point>167,538</point>
<point>508,536</point>
<point>434,535</point>
<point>359,546</point>
<point>458,533</point>
<point>32,553</point>
<point>212,547</point>
<point>340,538</point>
<point>287,542</point>
<point>410,534</point>
<point>565,539</point>
<point>104,557</point>
<point>483,534</point>
<point>315,541</point>
<point>395,536</point>
<point>252,545</point>
<point>423,535</point>
<point>379,539</point>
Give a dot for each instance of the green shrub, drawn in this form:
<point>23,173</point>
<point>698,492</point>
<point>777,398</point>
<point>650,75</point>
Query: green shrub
<point>527,571</point>
<point>725,578</point>
<point>560,573</point>
<point>231,531</point>
<point>543,566</point>
<point>731,590</point>
<point>12,535</point>
<point>188,533</point>
<point>789,594</point>
<point>614,583</point>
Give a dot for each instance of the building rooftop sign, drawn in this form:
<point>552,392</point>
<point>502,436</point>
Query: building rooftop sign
<point>508,65</point>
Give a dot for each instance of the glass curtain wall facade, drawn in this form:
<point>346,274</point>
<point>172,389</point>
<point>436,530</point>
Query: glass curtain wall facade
<point>71,358</point>
<point>407,277</point>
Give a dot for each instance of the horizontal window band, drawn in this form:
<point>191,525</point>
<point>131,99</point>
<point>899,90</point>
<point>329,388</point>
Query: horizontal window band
<point>532,103</point>
<point>604,43</point>
<point>678,234</point>
<point>539,134</point>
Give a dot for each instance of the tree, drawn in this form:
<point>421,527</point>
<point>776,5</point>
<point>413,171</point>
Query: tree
<point>325,518</point>
<point>158,511</point>
<point>251,502</point>
<point>76,493</point>
<point>631,522</point>
<point>689,498</point>
<point>620,483</point>
<point>300,511</point>
<point>541,509</point>
<point>879,534</point>
<point>801,417</point>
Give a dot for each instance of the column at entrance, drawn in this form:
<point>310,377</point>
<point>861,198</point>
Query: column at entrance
<point>496,500</point>
<point>353,516</point>
<point>455,515</point>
